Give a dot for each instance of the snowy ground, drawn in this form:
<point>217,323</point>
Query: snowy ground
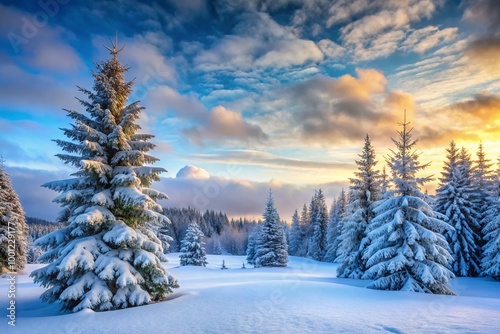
<point>305,297</point>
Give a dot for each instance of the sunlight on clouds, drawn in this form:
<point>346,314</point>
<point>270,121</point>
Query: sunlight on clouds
<point>222,123</point>
<point>192,172</point>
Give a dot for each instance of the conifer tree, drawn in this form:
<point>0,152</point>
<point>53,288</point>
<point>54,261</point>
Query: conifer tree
<point>335,224</point>
<point>364,191</point>
<point>319,223</point>
<point>193,252</point>
<point>406,250</point>
<point>454,199</point>
<point>295,242</point>
<point>252,240</point>
<point>490,263</point>
<point>482,183</point>
<point>107,257</point>
<point>304,221</point>
<point>13,231</point>
<point>270,246</point>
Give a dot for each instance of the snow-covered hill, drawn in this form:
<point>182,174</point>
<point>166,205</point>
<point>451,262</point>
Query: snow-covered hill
<point>304,297</point>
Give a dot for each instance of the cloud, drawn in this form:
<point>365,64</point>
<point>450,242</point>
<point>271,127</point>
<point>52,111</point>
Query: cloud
<point>36,42</point>
<point>35,57</point>
<point>201,126</point>
<point>331,49</point>
<point>165,99</point>
<point>485,49</point>
<point>224,124</point>
<point>196,188</point>
<point>379,33</point>
<point>463,119</point>
<point>192,172</point>
<point>257,42</point>
<point>36,201</point>
<point>260,158</point>
<point>421,40</point>
<point>238,197</point>
<point>335,110</point>
<point>485,52</point>
<point>35,93</point>
<point>483,12</point>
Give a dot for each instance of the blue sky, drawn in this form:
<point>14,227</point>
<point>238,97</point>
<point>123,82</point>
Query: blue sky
<point>252,94</point>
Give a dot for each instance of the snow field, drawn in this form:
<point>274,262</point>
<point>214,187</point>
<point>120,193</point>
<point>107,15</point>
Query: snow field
<point>304,297</point>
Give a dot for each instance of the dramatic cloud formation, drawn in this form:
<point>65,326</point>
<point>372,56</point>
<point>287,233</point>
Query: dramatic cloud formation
<point>277,90</point>
<point>221,123</point>
<point>336,110</point>
<point>258,41</point>
<point>463,120</point>
<point>485,50</point>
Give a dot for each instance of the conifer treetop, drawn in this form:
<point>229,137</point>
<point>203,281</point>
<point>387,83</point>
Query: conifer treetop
<point>114,50</point>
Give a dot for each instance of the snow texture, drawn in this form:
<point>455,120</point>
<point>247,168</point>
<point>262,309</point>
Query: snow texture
<point>304,297</point>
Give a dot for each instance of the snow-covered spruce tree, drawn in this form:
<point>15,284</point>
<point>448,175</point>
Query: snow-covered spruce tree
<point>490,263</point>
<point>13,231</point>
<point>335,224</point>
<point>364,191</point>
<point>270,246</point>
<point>295,241</point>
<point>319,222</point>
<point>304,220</point>
<point>454,199</point>
<point>406,249</point>
<point>193,252</point>
<point>482,183</point>
<point>252,240</point>
<point>107,257</point>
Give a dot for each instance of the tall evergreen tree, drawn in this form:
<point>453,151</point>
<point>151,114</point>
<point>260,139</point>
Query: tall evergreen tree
<point>295,241</point>
<point>13,231</point>
<point>309,227</point>
<point>270,246</point>
<point>406,249</point>
<point>490,263</point>
<point>252,239</point>
<point>482,183</point>
<point>365,189</point>
<point>192,249</point>
<point>454,199</point>
<point>319,215</point>
<point>107,257</point>
<point>304,221</point>
<point>335,224</point>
